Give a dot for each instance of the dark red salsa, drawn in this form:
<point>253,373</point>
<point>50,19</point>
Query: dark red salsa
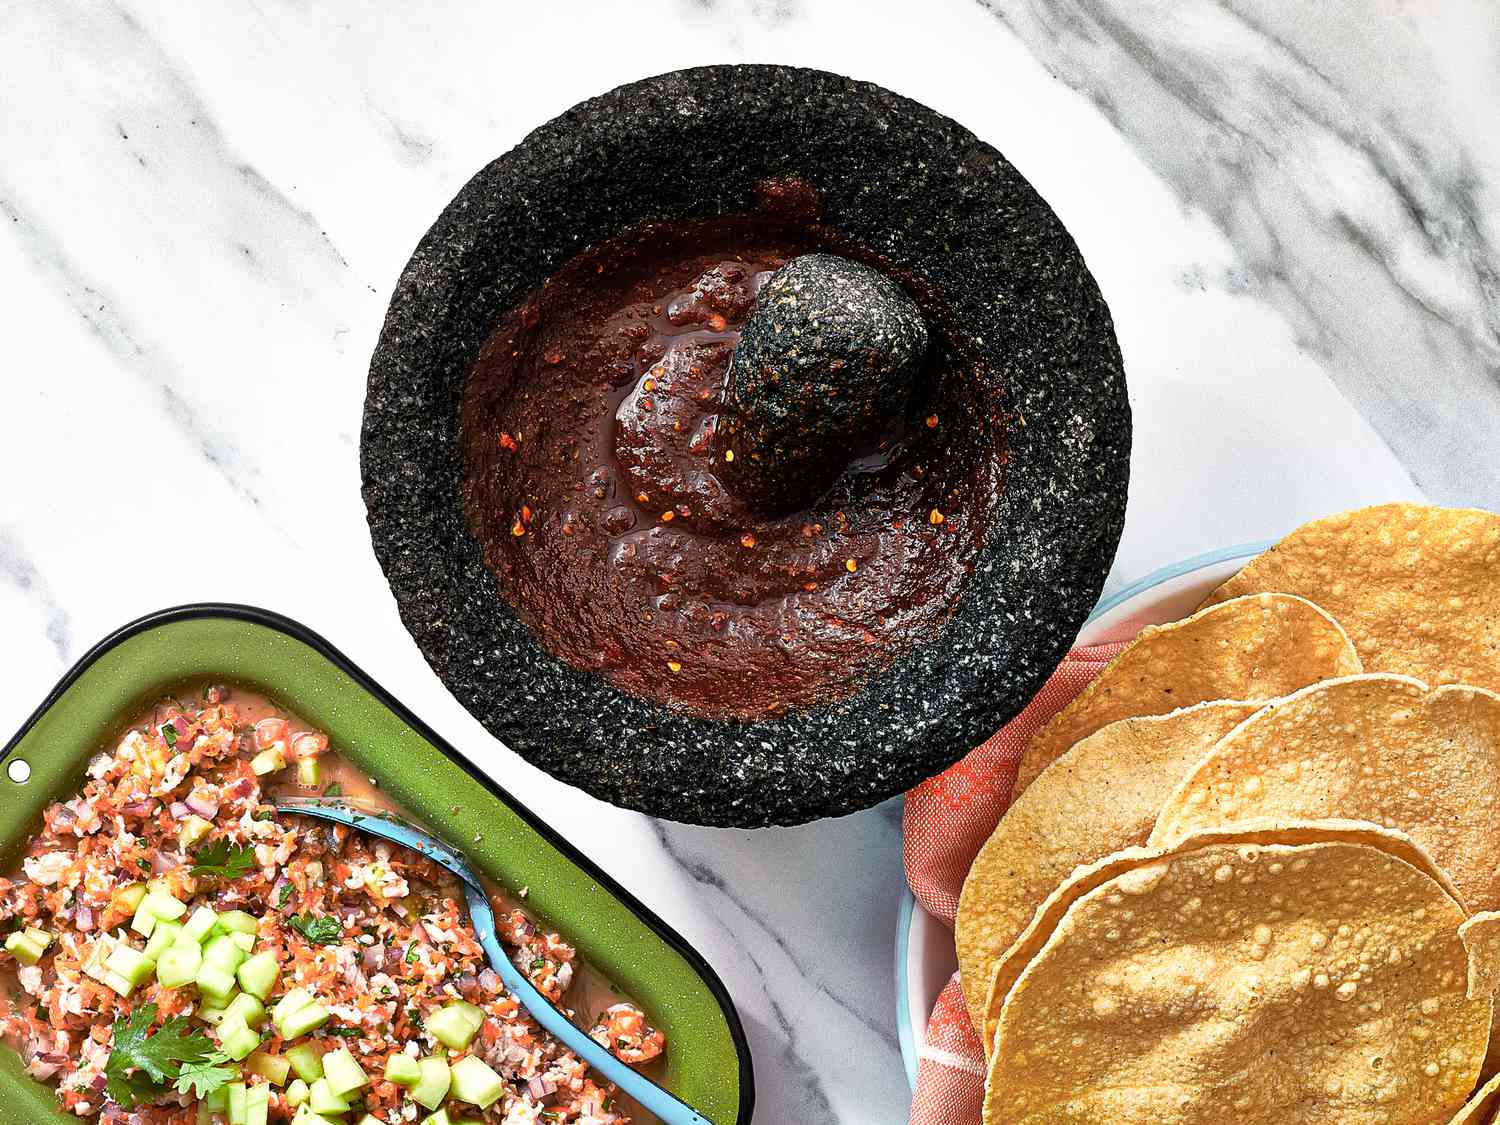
<point>587,428</point>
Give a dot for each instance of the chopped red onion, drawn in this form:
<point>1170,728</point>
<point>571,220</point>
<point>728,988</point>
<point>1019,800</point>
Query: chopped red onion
<point>202,804</point>
<point>83,918</point>
<point>179,810</point>
<point>537,1088</point>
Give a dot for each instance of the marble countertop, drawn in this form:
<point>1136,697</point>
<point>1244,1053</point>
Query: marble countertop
<point>1291,209</point>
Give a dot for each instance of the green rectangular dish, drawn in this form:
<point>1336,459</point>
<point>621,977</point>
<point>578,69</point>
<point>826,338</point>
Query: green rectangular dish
<point>708,1061</point>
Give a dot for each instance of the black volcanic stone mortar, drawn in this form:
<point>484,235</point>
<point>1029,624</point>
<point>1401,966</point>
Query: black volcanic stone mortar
<point>936,204</point>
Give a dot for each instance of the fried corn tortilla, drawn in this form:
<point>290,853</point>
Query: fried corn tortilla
<point>1481,937</point>
<point>1252,648</point>
<point>1379,747</point>
<point>1415,586</point>
<point>1099,797</point>
<point>1010,964</point>
<point>1483,1107</point>
<point>1288,980</point>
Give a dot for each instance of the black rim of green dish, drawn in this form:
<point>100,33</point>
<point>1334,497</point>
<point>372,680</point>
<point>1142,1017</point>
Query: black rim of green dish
<point>321,647</point>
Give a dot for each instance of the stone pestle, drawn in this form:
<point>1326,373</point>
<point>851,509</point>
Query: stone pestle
<point>827,358</point>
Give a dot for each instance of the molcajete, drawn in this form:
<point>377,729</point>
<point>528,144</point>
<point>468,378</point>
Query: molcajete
<point>551,497</point>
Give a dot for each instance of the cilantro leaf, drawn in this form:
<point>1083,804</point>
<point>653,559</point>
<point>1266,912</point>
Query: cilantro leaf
<point>202,1078</point>
<point>169,732</point>
<point>317,928</point>
<point>141,1062</point>
<point>223,859</point>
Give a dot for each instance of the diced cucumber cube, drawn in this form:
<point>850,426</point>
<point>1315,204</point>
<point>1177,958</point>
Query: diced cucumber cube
<point>237,921</point>
<point>257,975</point>
<point>199,923</point>
<point>303,1020</point>
<point>245,942</point>
<point>438,1118</point>
<point>129,896</point>
<point>218,1100</point>
<point>257,1105</point>
<point>26,951</point>
<point>273,1068</point>
<point>143,921</point>
<point>369,1119</point>
<point>224,953</point>
<point>455,1026</point>
<point>118,983</point>
<point>432,1087</point>
<point>129,963</point>
<point>193,829</point>
<point>321,1099</point>
<point>236,1039</point>
<point>213,981</point>
<point>474,1082</point>
<point>289,1003</point>
<point>309,773</point>
<point>306,1060</point>
<point>236,1103</point>
<point>163,936</point>
<point>268,761</point>
<point>343,1071</point>
<point>39,936</point>
<point>178,965</point>
<point>402,1069</point>
<point>247,1008</point>
<point>166,907</point>
<point>296,1092</point>
<point>210,1012</point>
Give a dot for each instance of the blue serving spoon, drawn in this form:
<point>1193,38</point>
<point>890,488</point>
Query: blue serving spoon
<point>666,1106</point>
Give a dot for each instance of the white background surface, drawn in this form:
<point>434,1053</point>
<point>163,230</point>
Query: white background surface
<point>203,209</point>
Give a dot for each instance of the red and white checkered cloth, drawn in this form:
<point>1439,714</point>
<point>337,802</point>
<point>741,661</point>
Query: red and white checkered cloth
<point>948,818</point>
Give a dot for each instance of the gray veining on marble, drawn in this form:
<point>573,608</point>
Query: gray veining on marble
<point>1355,172</point>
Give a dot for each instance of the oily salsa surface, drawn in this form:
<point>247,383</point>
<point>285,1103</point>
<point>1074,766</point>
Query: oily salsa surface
<point>587,428</point>
<point>178,951</point>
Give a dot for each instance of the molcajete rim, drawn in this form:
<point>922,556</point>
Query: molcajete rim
<point>931,199</point>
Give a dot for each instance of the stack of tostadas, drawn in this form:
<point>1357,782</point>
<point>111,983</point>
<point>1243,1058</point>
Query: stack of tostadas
<point>1252,873</point>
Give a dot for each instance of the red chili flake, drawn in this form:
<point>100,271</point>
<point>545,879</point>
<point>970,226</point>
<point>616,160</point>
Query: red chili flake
<point>642,497</point>
<point>525,514</point>
<point>932,421</point>
<point>518,529</point>
<point>649,385</point>
<point>647,404</point>
<point>809,585</point>
<point>934,517</point>
<point>674,666</point>
<point>567,529</point>
<point>553,357</point>
<point>507,442</point>
<point>717,323</point>
<point>747,541</point>
<point>850,565</point>
<point>668,516</point>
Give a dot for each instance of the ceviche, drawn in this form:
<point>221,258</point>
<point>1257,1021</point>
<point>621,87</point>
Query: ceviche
<point>176,950</point>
